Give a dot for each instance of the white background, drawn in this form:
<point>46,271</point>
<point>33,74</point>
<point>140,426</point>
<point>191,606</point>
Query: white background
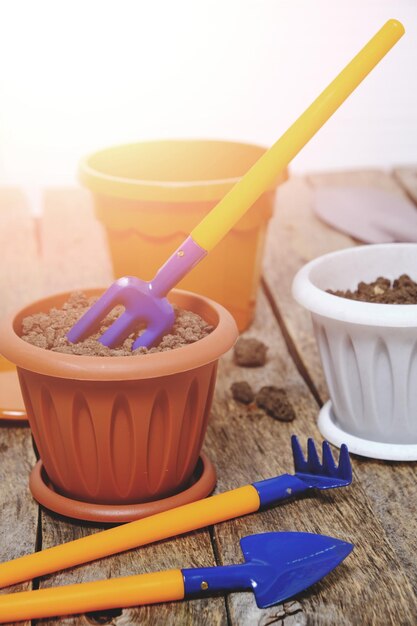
<point>76,76</point>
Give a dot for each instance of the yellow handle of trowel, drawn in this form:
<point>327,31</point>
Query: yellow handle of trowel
<point>262,175</point>
<point>93,596</point>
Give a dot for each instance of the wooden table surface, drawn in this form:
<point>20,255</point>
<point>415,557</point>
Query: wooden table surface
<point>377,584</point>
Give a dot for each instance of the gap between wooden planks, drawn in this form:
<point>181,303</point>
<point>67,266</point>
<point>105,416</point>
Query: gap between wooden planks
<point>296,236</point>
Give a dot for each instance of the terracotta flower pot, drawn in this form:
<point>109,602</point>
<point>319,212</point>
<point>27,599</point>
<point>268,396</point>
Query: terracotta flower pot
<point>113,430</point>
<point>150,195</point>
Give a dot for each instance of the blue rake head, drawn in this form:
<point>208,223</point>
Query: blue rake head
<point>321,474</point>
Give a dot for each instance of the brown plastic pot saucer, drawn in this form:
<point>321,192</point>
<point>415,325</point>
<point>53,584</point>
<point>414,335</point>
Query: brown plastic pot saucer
<point>202,483</point>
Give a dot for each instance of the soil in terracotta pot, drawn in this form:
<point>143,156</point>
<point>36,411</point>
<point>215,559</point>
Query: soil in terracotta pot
<point>402,290</point>
<point>48,330</point>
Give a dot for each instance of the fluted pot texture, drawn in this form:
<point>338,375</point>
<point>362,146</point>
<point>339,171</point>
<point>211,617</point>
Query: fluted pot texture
<point>368,350</point>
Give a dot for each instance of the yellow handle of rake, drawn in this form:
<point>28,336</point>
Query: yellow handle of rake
<point>177,521</point>
<point>262,175</point>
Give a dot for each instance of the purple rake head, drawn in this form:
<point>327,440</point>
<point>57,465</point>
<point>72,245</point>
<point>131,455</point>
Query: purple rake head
<point>144,302</point>
<point>141,306</point>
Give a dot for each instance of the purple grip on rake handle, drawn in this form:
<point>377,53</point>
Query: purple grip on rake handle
<point>143,301</point>
<point>177,266</point>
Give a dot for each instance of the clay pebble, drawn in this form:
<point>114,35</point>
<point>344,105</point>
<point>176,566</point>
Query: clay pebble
<point>242,392</point>
<point>274,401</point>
<point>250,352</point>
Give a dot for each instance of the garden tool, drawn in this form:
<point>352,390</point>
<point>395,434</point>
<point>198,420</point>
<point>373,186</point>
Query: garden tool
<point>309,474</point>
<point>12,406</point>
<point>369,214</point>
<point>145,302</point>
<point>277,566</point>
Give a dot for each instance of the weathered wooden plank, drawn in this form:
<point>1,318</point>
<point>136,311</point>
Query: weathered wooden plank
<point>407,178</point>
<point>20,269</point>
<point>295,237</point>
<point>74,249</point>
<point>19,283</point>
<point>246,447</point>
<point>19,512</point>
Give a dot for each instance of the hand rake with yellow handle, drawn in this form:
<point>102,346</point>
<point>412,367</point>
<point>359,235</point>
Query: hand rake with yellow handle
<point>310,473</point>
<point>146,302</point>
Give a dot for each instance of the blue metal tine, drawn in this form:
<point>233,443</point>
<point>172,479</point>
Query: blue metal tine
<point>329,466</point>
<point>313,460</point>
<point>300,464</point>
<point>309,474</point>
<point>314,466</point>
<point>345,467</point>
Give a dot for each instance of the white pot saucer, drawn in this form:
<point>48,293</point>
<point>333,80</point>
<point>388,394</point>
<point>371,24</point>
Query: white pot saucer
<point>362,447</point>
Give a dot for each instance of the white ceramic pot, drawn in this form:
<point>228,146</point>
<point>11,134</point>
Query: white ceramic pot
<point>368,350</point>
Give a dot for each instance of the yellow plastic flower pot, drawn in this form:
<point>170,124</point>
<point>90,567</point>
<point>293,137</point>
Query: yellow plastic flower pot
<point>151,195</point>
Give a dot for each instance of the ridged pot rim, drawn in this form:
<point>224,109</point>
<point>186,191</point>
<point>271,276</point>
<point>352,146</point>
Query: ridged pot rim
<point>344,269</point>
<point>102,368</point>
<point>99,180</point>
